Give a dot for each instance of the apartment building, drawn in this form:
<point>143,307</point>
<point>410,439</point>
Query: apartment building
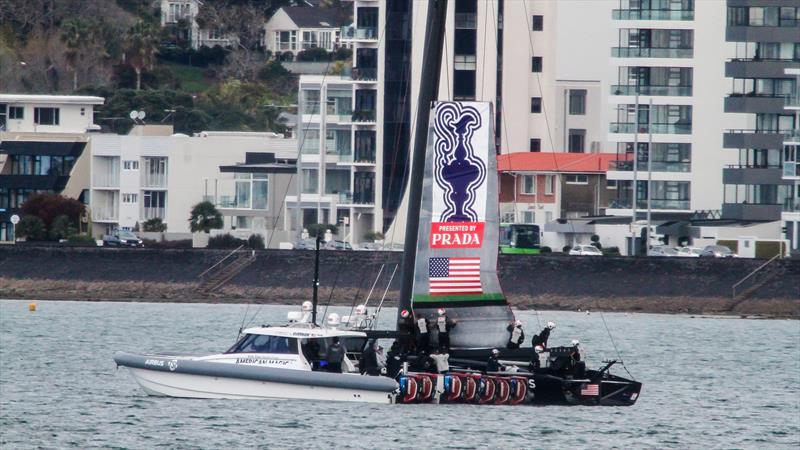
<point>42,142</point>
<point>762,184</point>
<point>668,57</point>
<point>294,28</point>
<point>153,173</point>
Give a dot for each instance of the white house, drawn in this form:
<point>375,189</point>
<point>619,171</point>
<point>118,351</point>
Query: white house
<point>294,28</point>
<point>175,11</point>
<point>152,173</point>
<point>48,113</point>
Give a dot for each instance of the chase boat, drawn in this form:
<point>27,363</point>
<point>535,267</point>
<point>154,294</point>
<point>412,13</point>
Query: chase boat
<point>266,362</point>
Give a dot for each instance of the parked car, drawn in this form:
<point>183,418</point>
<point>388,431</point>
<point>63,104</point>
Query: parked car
<point>689,252</point>
<point>662,250</point>
<point>585,250</point>
<point>307,244</point>
<point>338,245</point>
<point>717,251</point>
<point>122,239</point>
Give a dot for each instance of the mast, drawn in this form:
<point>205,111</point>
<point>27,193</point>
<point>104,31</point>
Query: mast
<point>316,279</point>
<point>428,92</point>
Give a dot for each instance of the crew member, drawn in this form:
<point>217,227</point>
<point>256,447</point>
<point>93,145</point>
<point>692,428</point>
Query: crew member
<point>442,360</point>
<point>535,359</point>
<point>493,364</point>
<point>423,337</point>
<point>444,324</point>
<point>335,356</point>
<point>394,360</point>
<point>575,354</point>
<point>311,352</point>
<point>370,360</point>
<point>541,338</point>
<point>517,336</point>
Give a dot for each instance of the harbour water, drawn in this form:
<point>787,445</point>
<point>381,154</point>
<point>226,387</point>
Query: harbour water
<point>709,382</point>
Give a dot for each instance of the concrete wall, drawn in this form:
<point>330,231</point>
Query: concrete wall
<point>522,277</point>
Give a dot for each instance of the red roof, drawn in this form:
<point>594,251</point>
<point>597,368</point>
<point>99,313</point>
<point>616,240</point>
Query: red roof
<point>555,162</point>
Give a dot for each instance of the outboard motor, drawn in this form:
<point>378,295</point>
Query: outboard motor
<point>502,390</point>
<point>486,390</point>
<point>452,388</point>
<point>426,387</point>
<point>470,387</point>
<point>519,390</point>
<point>408,389</point>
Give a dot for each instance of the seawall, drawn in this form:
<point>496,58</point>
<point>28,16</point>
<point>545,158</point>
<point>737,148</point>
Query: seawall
<point>689,285</point>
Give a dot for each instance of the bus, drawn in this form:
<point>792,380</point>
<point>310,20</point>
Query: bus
<point>520,238</point>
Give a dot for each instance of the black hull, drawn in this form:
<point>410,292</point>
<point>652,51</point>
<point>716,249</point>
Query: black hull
<point>611,391</point>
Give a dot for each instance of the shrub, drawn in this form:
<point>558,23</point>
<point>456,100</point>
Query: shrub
<point>566,248</point>
<point>82,240</point>
<point>182,243</point>
<point>204,217</point>
<point>546,249</point>
<point>373,236</point>
<point>595,238</point>
<point>313,54</point>
<point>611,251</point>
<point>60,228</point>
<point>319,228</point>
<point>342,54</point>
<point>154,225</point>
<point>32,228</point>
<point>256,242</point>
<point>225,241</point>
<point>48,206</point>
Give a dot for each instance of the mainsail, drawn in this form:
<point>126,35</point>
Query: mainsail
<point>457,241</point>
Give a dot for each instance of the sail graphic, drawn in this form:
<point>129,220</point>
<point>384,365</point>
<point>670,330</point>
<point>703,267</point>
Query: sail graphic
<point>456,264</point>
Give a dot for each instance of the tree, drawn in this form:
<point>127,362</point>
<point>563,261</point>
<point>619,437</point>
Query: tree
<point>141,47</point>
<point>61,228</point>
<point>31,228</point>
<point>205,217</point>
<point>154,225</point>
<point>49,206</point>
<point>75,36</point>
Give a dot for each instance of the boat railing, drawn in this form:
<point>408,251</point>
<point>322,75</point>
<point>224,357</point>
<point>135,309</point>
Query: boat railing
<point>752,274</point>
<point>229,255</point>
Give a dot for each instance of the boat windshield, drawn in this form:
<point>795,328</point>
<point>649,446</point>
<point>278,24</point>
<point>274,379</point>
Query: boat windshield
<point>259,343</point>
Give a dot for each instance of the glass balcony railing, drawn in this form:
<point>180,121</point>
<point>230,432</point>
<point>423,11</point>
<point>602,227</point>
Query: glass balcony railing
<point>153,213</point>
<point>655,128</point>
<point>104,213</point>
<point>656,166</point>
<point>676,91</point>
<point>637,52</point>
<point>364,34</point>
<point>791,205</point>
<point>655,203</point>
<point>346,198</point>
<point>652,14</point>
<point>106,180</point>
<point>365,156</point>
<point>792,101</point>
<point>364,74</point>
<point>791,169</point>
<point>364,197</point>
<point>364,115</point>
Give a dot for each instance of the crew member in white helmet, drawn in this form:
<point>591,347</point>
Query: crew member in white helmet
<point>423,337</point>
<point>306,307</point>
<point>443,325</point>
<point>536,361</point>
<point>541,338</point>
<point>517,336</point>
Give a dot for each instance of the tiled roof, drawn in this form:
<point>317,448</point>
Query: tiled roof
<point>308,17</point>
<point>555,162</point>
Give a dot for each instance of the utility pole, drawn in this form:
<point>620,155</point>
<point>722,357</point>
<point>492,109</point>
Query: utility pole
<point>649,166</point>
<point>635,170</point>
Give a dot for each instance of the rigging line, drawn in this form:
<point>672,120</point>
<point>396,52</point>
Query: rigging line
<point>619,355</point>
<point>446,57</point>
<point>385,291</point>
<point>504,122</point>
<point>355,298</point>
<point>333,287</point>
<point>539,84</point>
<point>374,283</point>
<point>483,49</point>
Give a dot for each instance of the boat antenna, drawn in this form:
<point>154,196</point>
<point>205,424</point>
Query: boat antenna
<point>619,355</point>
<point>316,278</point>
<point>428,92</point>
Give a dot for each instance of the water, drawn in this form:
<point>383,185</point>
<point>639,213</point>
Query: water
<point>708,382</point>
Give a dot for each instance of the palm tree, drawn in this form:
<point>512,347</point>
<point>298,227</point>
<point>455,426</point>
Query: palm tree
<point>141,48</point>
<point>75,36</point>
<point>204,217</point>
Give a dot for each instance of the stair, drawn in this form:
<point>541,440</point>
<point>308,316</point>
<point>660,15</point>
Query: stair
<point>749,285</point>
<point>226,269</point>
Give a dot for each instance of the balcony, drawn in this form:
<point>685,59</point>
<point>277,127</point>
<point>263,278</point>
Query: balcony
<point>359,34</point>
<point>364,116</point>
<point>792,102</point>
<point>736,174</point>
<point>751,211</point>
<point>791,169</point>
<point>675,91</point>
<point>105,214</point>
<point>105,180</point>
<point>757,68</point>
<point>153,213</point>
<point>655,128</point>
<point>791,205</point>
<point>766,139</point>
<point>154,180</point>
<point>364,74</point>
<point>754,104</point>
<point>760,34</point>
<point>652,14</point>
<point>655,203</point>
<point>792,137</point>
<point>637,52</point>
<point>656,166</point>
<point>365,156</point>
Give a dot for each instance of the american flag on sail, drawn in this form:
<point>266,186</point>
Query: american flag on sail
<point>448,276</point>
<point>591,389</point>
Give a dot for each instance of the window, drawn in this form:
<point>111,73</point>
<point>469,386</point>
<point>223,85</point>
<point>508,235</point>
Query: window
<point>508,218</point>
<point>243,222</point>
<point>577,102</point>
<point>577,139</point>
<point>536,104</point>
<point>535,145</point>
<point>577,179</point>
<point>130,165</point>
<point>549,182</point>
<point>529,184</point>
<point>537,23</point>
<point>464,84</point>
<point>46,116</point>
<point>464,62</point>
<point>130,198</point>
<point>548,216</point>
<point>611,184</point>
<point>310,181</point>
<point>259,343</point>
<point>528,216</point>
<point>16,112</point>
<point>536,64</point>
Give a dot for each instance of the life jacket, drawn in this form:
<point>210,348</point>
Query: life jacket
<point>422,325</point>
<point>516,335</point>
<point>441,322</point>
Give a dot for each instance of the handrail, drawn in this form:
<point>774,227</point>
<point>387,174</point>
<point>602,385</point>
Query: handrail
<point>733,289</point>
<point>220,261</point>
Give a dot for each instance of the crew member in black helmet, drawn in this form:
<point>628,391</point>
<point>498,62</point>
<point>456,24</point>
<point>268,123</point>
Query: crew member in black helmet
<point>493,364</point>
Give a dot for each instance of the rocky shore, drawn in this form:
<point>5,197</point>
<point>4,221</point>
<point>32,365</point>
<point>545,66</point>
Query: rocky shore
<point>651,285</point>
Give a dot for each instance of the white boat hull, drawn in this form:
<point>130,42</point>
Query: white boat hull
<point>172,384</point>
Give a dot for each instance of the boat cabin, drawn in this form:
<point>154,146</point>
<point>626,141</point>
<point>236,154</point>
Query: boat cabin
<point>299,346</point>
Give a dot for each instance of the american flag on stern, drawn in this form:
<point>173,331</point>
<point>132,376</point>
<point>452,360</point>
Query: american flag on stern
<point>591,389</point>
<point>449,276</point>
